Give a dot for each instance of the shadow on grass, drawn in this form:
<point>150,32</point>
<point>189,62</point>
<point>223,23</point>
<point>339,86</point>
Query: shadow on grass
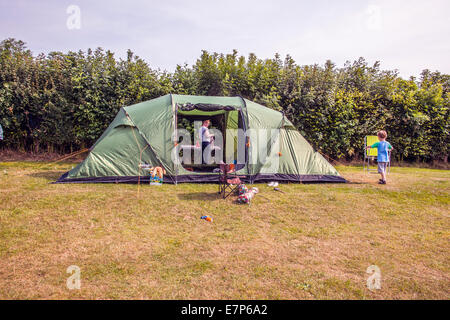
<point>200,196</point>
<point>356,182</point>
<point>50,176</point>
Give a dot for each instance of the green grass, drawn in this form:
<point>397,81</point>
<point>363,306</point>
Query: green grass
<point>315,241</point>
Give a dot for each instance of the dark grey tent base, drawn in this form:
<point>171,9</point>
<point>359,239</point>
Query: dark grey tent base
<point>210,178</point>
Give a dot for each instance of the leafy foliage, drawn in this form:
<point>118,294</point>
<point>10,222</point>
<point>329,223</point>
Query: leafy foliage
<point>64,101</point>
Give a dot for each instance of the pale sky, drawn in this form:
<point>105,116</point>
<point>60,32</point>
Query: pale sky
<point>405,35</point>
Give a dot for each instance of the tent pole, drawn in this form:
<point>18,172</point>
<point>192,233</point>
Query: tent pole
<point>175,125</point>
<point>146,141</point>
<point>244,123</point>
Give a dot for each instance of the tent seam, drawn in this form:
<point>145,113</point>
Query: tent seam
<point>145,139</point>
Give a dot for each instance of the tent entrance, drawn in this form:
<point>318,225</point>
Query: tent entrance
<point>224,120</point>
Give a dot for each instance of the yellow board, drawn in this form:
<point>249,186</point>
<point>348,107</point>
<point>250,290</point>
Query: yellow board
<point>370,140</point>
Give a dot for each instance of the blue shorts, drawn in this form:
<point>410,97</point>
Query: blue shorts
<point>382,166</point>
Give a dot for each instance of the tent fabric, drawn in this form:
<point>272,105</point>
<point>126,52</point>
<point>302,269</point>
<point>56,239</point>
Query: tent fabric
<point>144,133</point>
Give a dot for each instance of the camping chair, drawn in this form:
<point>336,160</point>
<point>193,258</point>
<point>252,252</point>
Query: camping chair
<point>371,154</point>
<point>229,181</point>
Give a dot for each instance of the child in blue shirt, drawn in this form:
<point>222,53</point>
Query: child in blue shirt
<point>383,154</point>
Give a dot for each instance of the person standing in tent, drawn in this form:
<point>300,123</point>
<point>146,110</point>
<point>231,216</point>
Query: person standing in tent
<point>205,137</point>
<point>383,154</point>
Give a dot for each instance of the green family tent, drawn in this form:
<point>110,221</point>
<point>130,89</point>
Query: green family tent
<point>144,134</point>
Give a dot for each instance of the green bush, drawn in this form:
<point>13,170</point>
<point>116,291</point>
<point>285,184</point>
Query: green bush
<point>61,102</point>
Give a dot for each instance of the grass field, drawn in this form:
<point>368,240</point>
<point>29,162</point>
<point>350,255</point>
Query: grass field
<point>311,242</point>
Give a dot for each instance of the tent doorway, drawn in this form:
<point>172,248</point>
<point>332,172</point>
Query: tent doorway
<point>227,122</point>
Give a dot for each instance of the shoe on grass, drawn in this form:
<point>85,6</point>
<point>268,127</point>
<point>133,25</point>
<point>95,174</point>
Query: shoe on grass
<point>382,182</point>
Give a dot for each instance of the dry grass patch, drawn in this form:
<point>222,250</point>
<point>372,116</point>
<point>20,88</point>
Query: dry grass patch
<point>312,241</point>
